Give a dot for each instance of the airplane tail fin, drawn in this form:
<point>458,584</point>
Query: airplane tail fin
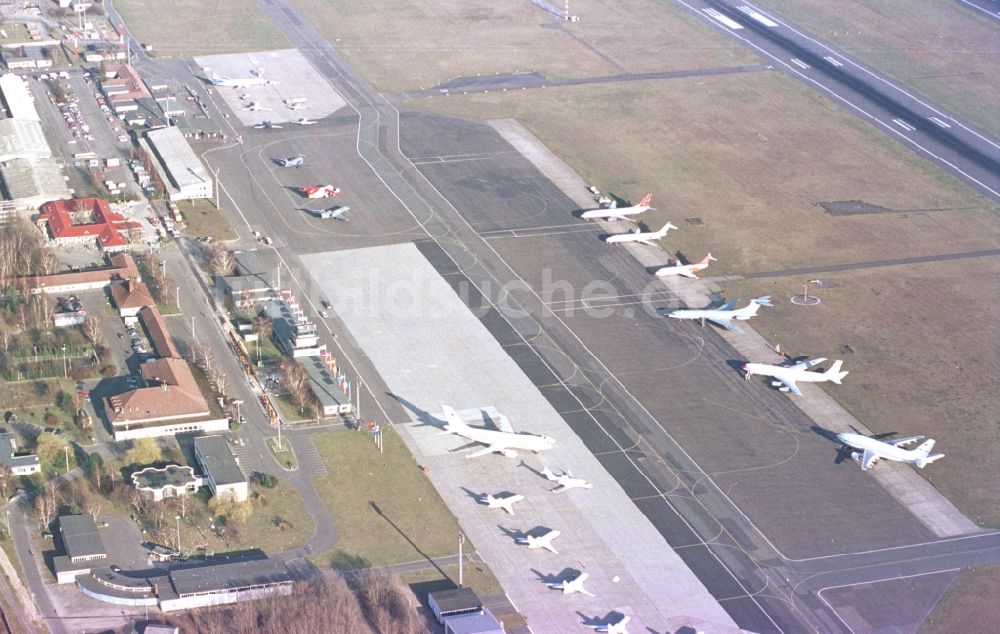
<point>648,198</point>
<point>751,309</point>
<point>705,260</point>
<point>763,301</point>
<point>924,456</point>
<point>453,423</point>
<point>613,205</point>
<point>835,373</point>
<point>667,227</point>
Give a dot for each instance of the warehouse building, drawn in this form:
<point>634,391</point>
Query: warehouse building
<point>83,545</point>
<point>179,167</point>
<point>16,98</point>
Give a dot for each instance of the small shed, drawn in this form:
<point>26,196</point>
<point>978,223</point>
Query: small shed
<point>482,622</point>
<point>454,603</point>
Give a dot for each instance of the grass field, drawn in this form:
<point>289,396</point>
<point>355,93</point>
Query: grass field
<point>385,508</point>
<point>203,219</point>
<point>420,43</point>
<point>969,605</point>
<point>943,50</point>
<point>186,28</point>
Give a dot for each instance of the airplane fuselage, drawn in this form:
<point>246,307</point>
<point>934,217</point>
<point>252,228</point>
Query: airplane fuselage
<point>879,448</point>
<point>613,213</point>
<point>780,373</point>
<point>508,440</point>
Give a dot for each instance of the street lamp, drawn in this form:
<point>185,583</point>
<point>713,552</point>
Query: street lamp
<point>461,542</point>
<point>178,518</point>
<point>65,373</point>
<point>66,451</point>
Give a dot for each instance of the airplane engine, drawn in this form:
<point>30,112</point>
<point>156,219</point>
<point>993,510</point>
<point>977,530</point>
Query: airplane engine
<point>856,455</point>
<point>778,384</point>
<point>509,453</point>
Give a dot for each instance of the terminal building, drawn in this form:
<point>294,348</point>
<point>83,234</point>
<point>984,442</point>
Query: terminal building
<point>180,169</point>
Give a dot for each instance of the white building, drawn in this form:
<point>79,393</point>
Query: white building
<point>24,464</point>
<point>169,482</point>
<point>17,98</point>
<point>180,168</point>
<point>223,473</point>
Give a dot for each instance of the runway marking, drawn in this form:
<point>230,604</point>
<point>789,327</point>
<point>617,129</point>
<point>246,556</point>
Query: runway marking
<point>798,62</point>
<point>939,122</point>
<point>833,60</point>
<point>459,158</point>
<point>756,15</point>
<point>725,20</point>
<point>535,232</point>
<point>906,126</point>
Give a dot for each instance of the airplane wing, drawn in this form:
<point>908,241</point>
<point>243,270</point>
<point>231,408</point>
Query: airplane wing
<point>503,424</point>
<point>808,363</point>
<point>647,242</point>
<point>728,305</point>
<point>902,442</point>
<point>687,273</point>
<point>725,323</point>
<point>485,451</point>
<point>868,459</point>
<point>791,386</point>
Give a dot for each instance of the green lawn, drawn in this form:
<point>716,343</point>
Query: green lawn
<point>203,219</point>
<point>285,454</point>
<point>385,508</point>
<point>265,530</point>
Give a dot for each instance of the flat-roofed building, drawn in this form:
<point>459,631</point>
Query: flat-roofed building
<point>183,172</point>
<point>23,139</point>
<point>169,482</point>
<point>83,546</point>
<point>17,98</point>
<point>20,464</point>
<point>29,184</point>
<point>226,583</point>
<point>223,473</point>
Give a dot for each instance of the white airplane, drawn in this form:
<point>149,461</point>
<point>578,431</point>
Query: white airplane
<point>576,585</point>
<point>566,481</point>
<point>296,103</point>
<point>543,541</point>
<point>873,449</point>
<point>724,315</point>
<point>639,236</point>
<point>505,442</point>
<point>687,270</point>
<point>614,213</point>
<point>242,82</point>
<point>335,213</point>
<point>292,161</point>
<point>506,503</point>
<point>617,627</point>
<point>320,191</point>
<point>788,375</point>
<point>266,125</point>
<point>253,106</point>
<point>304,121</point>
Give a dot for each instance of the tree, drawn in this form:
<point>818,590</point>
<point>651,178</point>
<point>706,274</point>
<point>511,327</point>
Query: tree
<point>50,448</point>
<point>95,465</point>
<point>264,326</point>
<point>6,481</point>
<point>268,481</point>
<point>296,381</point>
<point>222,261</point>
<point>93,330</point>
<point>143,451</point>
<point>92,506</point>
<point>45,511</point>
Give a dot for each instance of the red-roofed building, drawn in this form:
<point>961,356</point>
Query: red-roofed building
<point>85,221</point>
<point>122,267</point>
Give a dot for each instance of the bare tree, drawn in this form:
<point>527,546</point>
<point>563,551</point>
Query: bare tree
<point>93,330</point>
<point>204,356</point>
<point>45,509</point>
<point>296,381</point>
<point>92,506</point>
<point>264,326</point>
<point>6,481</point>
<point>222,262</point>
<point>220,380</point>
<point>387,604</point>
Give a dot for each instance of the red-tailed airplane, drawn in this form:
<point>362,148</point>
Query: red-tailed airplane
<point>320,191</point>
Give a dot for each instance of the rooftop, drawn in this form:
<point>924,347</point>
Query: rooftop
<point>22,138</point>
<point>131,294</point>
<point>83,218</point>
<point>17,98</point>
<point>122,268</point>
<point>41,180</point>
<point>177,395</point>
<point>218,460</point>
<point>456,599</point>
<point>230,576</point>
<point>181,163</point>
<point>158,333</point>
<point>8,453</point>
<point>80,537</point>
<point>475,623</point>
<point>171,475</point>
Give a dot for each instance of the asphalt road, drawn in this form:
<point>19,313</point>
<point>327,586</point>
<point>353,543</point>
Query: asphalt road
<point>954,145</point>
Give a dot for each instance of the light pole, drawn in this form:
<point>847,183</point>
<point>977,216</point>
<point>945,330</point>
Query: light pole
<point>237,402</point>
<point>65,373</point>
<point>461,542</point>
<point>66,451</point>
<point>178,518</point>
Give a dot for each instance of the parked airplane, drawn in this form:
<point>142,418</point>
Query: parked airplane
<point>253,106</point>
<point>242,82</point>
<point>617,627</point>
<point>872,449</point>
<point>296,103</point>
<point>788,375</point>
<point>639,236</point>
<point>320,191</point>
<point>506,503</point>
<point>576,585</point>
<point>724,315</point>
<point>614,213</point>
<point>687,270</point>
<point>505,442</point>
<point>566,481</point>
<point>267,125</point>
<point>543,541</point>
<point>304,121</point>
<point>292,161</point>
<point>335,213</point>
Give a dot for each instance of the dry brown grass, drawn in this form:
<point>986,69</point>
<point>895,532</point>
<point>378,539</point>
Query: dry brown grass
<point>420,43</point>
<point>969,605</point>
<point>184,28</point>
<point>943,50</point>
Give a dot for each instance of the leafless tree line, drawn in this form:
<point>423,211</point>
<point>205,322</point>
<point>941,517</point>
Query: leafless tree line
<point>23,252</point>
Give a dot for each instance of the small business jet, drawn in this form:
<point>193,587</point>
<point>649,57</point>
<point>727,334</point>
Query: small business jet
<point>615,213</point>
<point>254,106</point>
<point>505,442</point>
<point>242,82</point>
<point>640,236</point>
<point>687,270</point>
<point>871,449</point>
<point>788,375</point>
<point>320,191</point>
<point>267,125</point>
<point>296,103</point>
<point>304,121</point>
<point>505,503</point>
<point>334,213</point>
<point>542,541</point>
<point>292,161</point>
<point>616,627</point>
<point>724,315</point>
<point>566,481</point>
<point>576,585</point>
